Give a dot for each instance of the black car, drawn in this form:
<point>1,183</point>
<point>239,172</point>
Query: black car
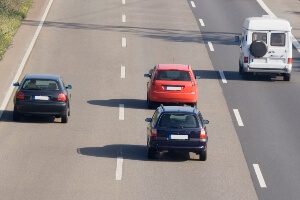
<point>177,128</point>
<point>42,94</point>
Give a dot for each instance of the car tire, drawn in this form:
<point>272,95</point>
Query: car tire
<point>64,118</point>
<point>287,77</point>
<point>150,104</point>
<point>16,116</point>
<point>258,48</point>
<point>203,155</point>
<point>151,153</point>
<point>69,112</point>
<point>240,68</point>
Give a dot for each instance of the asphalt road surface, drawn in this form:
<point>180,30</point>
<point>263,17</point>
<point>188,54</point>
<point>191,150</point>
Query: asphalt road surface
<point>101,152</point>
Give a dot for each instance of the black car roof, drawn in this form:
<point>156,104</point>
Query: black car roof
<point>42,76</point>
<point>186,109</point>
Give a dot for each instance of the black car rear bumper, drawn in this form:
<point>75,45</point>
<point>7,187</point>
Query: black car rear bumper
<point>41,108</point>
<point>184,145</point>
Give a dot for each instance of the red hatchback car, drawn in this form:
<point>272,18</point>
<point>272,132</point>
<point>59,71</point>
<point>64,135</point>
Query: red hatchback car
<point>171,83</point>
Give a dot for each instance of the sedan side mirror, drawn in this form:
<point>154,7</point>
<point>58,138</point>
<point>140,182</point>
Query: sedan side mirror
<point>148,120</point>
<point>147,75</point>
<point>205,121</point>
<point>17,84</point>
<point>69,87</point>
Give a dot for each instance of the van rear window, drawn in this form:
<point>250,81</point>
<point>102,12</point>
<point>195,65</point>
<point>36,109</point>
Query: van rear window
<point>173,75</point>
<point>259,36</point>
<point>278,39</point>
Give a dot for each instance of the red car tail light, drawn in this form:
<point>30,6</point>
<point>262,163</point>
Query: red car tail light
<point>202,135</point>
<point>20,95</point>
<point>290,60</point>
<point>153,133</point>
<point>246,59</point>
<point>62,97</point>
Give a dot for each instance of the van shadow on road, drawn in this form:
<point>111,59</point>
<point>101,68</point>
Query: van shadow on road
<point>128,103</point>
<point>130,152</point>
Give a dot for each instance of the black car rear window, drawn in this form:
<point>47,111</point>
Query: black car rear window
<point>178,120</point>
<point>40,84</point>
<point>173,75</point>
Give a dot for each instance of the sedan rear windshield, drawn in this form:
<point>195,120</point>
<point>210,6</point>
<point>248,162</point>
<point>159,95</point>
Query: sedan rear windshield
<point>177,120</point>
<point>173,75</point>
<point>40,84</point>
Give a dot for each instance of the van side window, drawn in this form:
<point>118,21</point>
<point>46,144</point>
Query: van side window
<point>259,36</point>
<point>278,39</point>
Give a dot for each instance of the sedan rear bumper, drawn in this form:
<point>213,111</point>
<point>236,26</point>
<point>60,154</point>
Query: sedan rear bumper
<point>173,97</point>
<point>184,145</point>
<point>41,108</point>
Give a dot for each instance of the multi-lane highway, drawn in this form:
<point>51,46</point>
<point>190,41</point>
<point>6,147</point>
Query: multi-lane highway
<point>103,48</point>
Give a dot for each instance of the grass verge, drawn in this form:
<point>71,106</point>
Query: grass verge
<point>12,12</point>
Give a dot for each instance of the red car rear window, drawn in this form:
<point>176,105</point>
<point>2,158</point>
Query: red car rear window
<point>173,75</point>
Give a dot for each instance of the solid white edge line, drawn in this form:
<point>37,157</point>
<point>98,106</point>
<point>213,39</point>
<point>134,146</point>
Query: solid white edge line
<point>259,175</point>
<point>238,117</point>
<point>124,42</point>
<point>123,2</point>
<point>24,60</point>
<point>268,10</point>
<point>201,22</point>
<point>123,71</point>
<point>222,76</point>
<point>119,168</point>
<point>121,112</point>
<point>123,18</point>
<point>211,47</point>
<point>193,4</point>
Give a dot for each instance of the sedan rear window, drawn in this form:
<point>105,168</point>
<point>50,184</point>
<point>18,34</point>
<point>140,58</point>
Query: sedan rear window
<point>173,75</point>
<point>40,84</point>
<point>177,120</point>
<point>278,39</point>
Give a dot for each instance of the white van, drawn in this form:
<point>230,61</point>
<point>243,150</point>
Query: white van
<point>266,47</point>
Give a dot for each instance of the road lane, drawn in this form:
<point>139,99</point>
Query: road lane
<point>269,108</point>
<point>81,40</point>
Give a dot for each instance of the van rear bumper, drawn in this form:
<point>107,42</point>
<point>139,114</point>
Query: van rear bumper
<point>268,68</point>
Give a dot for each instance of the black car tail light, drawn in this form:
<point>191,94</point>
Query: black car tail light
<point>20,95</point>
<point>203,135</point>
<point>62,97</point>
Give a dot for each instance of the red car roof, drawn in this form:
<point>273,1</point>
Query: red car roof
<point>173,66</point>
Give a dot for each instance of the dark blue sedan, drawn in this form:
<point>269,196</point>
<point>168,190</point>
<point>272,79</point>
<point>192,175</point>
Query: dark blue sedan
<point>177,128</point>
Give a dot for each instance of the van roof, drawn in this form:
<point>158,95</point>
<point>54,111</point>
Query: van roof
<point>267,23</point>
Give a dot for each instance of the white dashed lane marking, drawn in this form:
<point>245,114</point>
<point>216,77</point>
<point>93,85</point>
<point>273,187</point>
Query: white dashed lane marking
<point>119,168</point>
<point>124,43</point>
<point>222,76</point>
<point>123,71</point>
<point>123,18</point>
<point>211,47</point>
<point>193,4</point>
<point>201,22</point>
<point>259,175</point>
<point>123,2</point>
<point>121,112</point>
<point>238,117</point>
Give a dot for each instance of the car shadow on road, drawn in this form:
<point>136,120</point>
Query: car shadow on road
<point>128,103</point>
<point>7,116</point>
<point>232,76</point>
<point>131,152</point>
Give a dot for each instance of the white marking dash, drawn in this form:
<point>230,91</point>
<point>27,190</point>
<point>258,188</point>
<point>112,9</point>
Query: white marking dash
<point>259,175</point>
<point>124,42</point>
<point>201,22</point>
<point>119,168</point>
<point>123,71</point>
<point>193,4</point>
<point>222,76</point>
<point>123,18</point>
<point>211,47</point>
<point>123,2</point>
<point>121,112</point>
<point>238,117</point>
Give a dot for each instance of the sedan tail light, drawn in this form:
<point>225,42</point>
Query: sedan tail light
<point>203,135</point>
<point>20,95</point>
<point>153,133</point>
<point>62,97</point>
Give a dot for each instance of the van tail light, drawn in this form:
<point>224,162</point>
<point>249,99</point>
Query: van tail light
<point>203,135</point>
<point>20,96</point>
<point>290,60</point>
<point>61,97</point>
<point>153,133</point>
<point>246,59</point>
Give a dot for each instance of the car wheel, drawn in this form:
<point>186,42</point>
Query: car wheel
<point>151,153</point>
<point>203,155</point>
<point>64,119</point>
<point>287,77</point>
<point>240,69</point>
<point>69,111</point>
<point>16,116</point>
